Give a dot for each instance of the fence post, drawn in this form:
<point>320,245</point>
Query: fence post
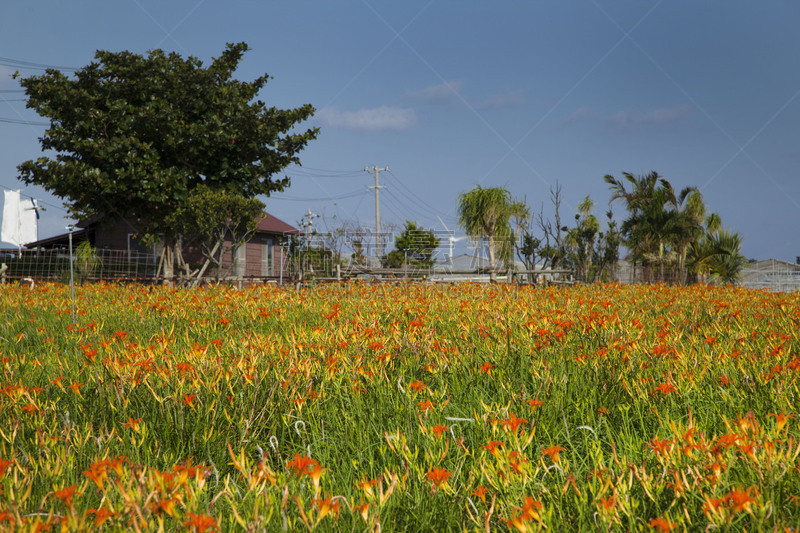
<point>71,273</point>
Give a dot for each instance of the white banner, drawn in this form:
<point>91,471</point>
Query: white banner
<point>19,220</point>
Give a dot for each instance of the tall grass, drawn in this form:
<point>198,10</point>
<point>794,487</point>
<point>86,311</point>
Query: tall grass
<point>399,408</point>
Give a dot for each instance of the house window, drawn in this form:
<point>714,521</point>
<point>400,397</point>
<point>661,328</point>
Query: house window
<point>240,261</point>
<point>267,257</point>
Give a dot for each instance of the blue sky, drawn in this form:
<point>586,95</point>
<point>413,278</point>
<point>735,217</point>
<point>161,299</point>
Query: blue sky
<point>450,94</point>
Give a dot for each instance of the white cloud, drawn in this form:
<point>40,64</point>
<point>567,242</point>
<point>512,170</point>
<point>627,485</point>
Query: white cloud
<point>444,92</point>
<point>508,99</point>
<point>628,119</point>
<point>383,118</point>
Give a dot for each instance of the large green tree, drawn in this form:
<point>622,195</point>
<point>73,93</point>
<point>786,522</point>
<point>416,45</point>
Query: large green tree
<point>131,136</point>
<point>485,214</point>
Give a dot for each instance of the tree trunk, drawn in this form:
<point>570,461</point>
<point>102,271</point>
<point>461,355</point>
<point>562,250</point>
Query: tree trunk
<point>492,273</point>
<point>205,265</point>
<point>169,263</point>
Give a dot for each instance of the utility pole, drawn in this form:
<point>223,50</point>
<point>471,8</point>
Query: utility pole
<point>309,216</point>
<point>376,170</point>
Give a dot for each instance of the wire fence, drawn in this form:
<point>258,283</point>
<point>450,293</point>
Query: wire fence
<point>133,266</point>
<point>102,265</point>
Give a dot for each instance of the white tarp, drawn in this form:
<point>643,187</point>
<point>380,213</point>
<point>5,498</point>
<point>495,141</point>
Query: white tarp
<point>19,220</point>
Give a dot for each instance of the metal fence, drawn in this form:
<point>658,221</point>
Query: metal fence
<point>136,267</point>
<point>102,265</point>
<point>773,275</point>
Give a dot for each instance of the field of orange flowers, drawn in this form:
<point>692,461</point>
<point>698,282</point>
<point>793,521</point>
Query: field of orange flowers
<point>413,407</point>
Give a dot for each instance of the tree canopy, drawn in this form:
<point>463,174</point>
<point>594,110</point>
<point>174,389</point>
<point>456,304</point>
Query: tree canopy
<point>665,230</point>
<point>486,214</point>
<point>414,247</point>
<point>132,136</point>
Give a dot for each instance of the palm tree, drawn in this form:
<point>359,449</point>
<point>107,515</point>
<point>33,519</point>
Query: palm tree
<point>727,267</point>
<point>657,229</point>
<point>717,256</point>
<point>485,214</point>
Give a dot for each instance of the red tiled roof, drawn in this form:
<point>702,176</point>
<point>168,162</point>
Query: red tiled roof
<point>270,224</point>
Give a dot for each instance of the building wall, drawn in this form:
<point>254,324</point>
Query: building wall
<point>118,236</point>
<point>262,255</point>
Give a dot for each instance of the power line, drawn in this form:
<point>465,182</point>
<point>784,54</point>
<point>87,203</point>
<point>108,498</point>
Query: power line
<point>23,122</point>
<point>291,198</point>
<point>405,207</point>
<point>323,174</point>
<point>19,63</point>
<point>417,198</point>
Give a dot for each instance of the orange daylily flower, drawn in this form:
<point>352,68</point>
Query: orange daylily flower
<point>438,476</point>
<point>189,399</point>
<point>302,465</point>
<point>438,430</point>
<point>417,386</point>
<point>479,492</point>
<point>665,388</point>
<point>492,446</point>
<point>5,464</point>
<point>101,515</point>
<point>662,524</point>
<point>513,422</point>
<point>326,506</point>
<point>780,420</point>
<point>133,424</point>
<point>529,511</point>
<point>366,485</point>
<point>516,460</point>
<point>486,367</point>
<point>607,504</point>
<point>530,508</point>
<point>200,522</point>
<point>553,452</point>
<point>739,500</point>
<point>66,494</point>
